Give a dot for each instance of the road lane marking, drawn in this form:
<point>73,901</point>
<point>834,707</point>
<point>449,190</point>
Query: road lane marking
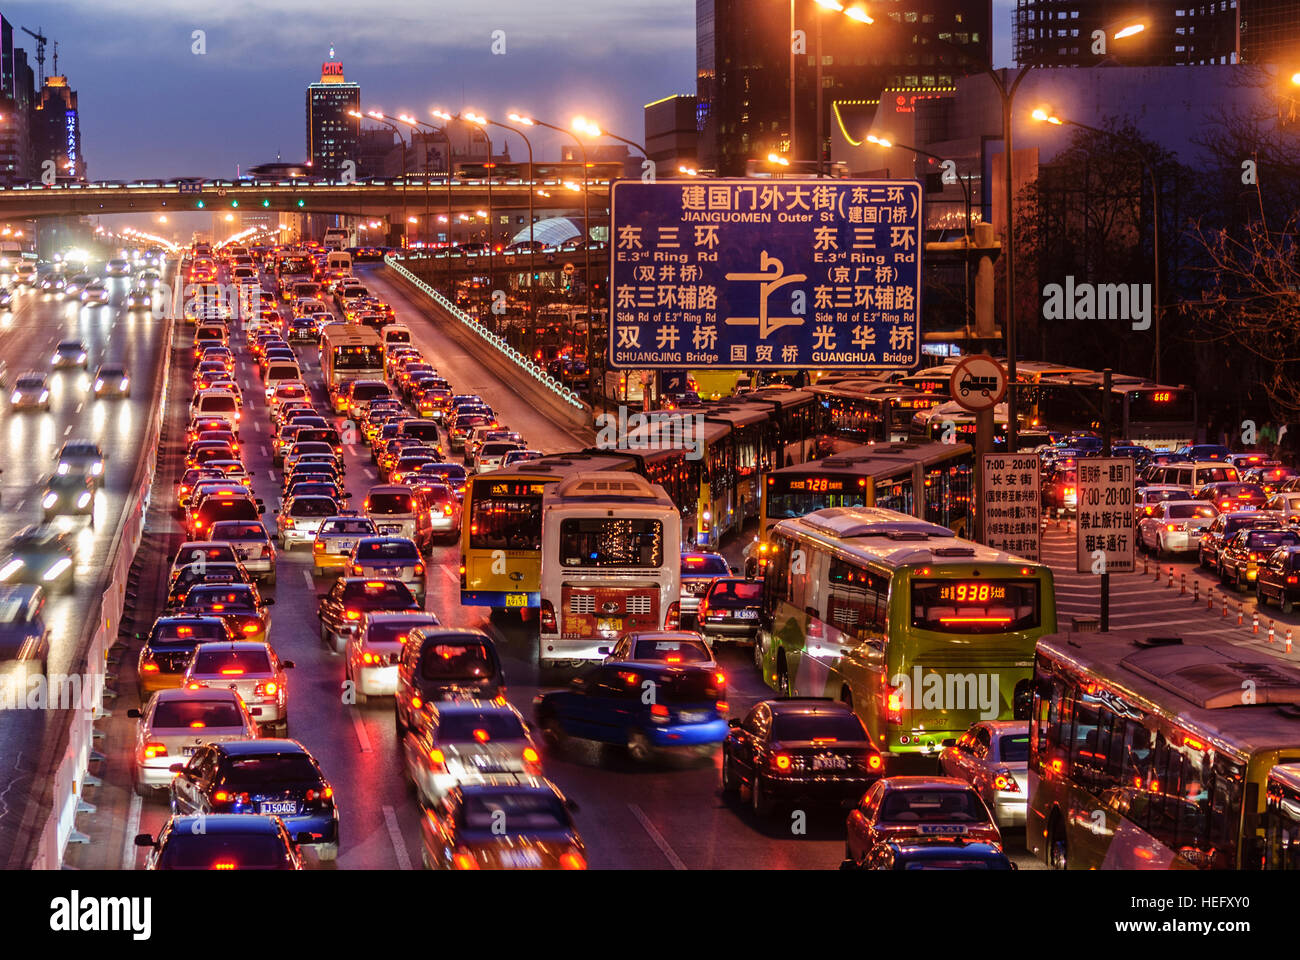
<point>132,828</point>
<point>270,473</point>
<point>451,575</point>
<point>395,837</point>
<point>360,726</point>
<point>79,406</point>
<point>311,582</point>
<point>67,430</point>
<point>265,452</point>
<point>19,504</point>
<point>657,837</point>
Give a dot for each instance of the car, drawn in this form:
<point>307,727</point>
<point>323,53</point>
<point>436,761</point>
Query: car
<point>444,663</point>
<point>643,706</point>
<point>168,647</point>
<point>937,854</point>
<point>491,455</point>
<point>220,841</point>
<point>452,474</point>
<point>730,609</point>
<point>373,652</point>
<point>1285,505</point>
<point>334,540</point>
<point>341,608</point>
<point>252,545</point>
<point>202,571</point>
<point>519,456</point>
<point>1278,579</point>
<point>389,556</point>
<point>439,503</point>
<point>317,450</point>
<point>911,807</point>
<point>1060,487</point>
<point>250,668</point>
<point>466,741</point>
<point>82,458</point>
<point>1270,477</point>
<point>1147,498</point>
<point>223,502</point>
<point>95,292</point>
<point>300,517</point>
<point>31,392</point>
<point>202,451</point>
<point>70,353</point>
<point>1175,526</point>
<point>239,604</point>
<point>139,298</point>
<point>993,757</point>
<point>1233,496</point>
<point>111,380</point>
<point>509,824</point>
<point>24,636</point>
<point>665,646</point>
<point>40,555</point>
<point>66,494</point>
<point>1204,451</point>
<point>798,751</point>
<point>118,268</point>
<point>53,283</point>
<point>392,507</point>
<point>176,723</point>
<point>211,551</point>
<point>1241,557</point>
<point>261,778</point>
<point>1226,526</point>
<point>76,283</point>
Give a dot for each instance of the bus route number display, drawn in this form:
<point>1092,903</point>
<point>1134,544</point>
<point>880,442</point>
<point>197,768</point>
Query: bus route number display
<point>1105,515</point>
<point>765,274</point>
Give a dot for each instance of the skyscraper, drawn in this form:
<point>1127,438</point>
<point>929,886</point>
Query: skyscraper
<point>743,61</point>
<point>333,137</point>
<point>56,129</point>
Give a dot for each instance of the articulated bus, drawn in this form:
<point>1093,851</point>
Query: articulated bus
<point>1141,411</point>
<point>1144,753</point>
<point>611,563</point>
<point>921,632</point>
<point>349,351</point>
<point>501,533</point>
<point>868,411</point>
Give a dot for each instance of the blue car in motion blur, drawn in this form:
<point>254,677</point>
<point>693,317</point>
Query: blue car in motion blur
<point>646,706</point>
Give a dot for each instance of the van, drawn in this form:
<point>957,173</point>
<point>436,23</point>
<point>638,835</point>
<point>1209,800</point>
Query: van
<point>393,508</point>
<point>444,663</point>
<point>279,371</point>
<point>212,331</point>
<point>338,262</point>
<point>216,403</point>
<point>1195,475</point>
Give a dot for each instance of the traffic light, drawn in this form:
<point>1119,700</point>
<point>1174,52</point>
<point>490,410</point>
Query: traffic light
<point>200,204</point>
<point>302,203</point>
<point>234,203</point>
<point>266,203</point>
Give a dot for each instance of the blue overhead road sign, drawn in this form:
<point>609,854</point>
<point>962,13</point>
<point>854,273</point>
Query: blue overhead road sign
<point>768,274</point>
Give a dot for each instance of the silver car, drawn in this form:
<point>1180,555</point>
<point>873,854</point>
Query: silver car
<point>31,392</point>
<point>373,651</point>
<point>83,458</point>
<point>993,757</point>
<point>249,668</point>
<point>179,721</point>
<point>1175,526</point>
<point>467,741</point>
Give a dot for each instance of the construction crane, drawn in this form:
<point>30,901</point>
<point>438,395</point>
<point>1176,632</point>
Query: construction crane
<point>41,41</point>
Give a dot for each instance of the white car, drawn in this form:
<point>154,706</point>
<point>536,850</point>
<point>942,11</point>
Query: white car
<point>1149,497</point>
<point>372,652</point>
<point>179,721</point>
<point>993,757</point>
<point>1175,526</point>
<point>467,741</point>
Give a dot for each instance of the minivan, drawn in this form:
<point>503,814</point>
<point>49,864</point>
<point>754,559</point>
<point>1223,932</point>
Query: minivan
<point>443,663</point>
<point>279,371</point>
<point>1195,475</point>
<point>393,508</point>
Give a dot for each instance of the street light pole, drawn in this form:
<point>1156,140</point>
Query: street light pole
<point>532,250</point>
<point>441,131</point>
<point>376,115</point>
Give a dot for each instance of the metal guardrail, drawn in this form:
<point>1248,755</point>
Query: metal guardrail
<point>525,363</point>
<point>72,775</point>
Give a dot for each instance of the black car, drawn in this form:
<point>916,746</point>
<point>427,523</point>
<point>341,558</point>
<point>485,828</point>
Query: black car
<point>444,663</point>
<point>341,609</point>
<point>1278,578</point>
<point>168,647</point>
<point>221,841</point>
<point>522,824</point>
<point>263,777</point>
<point>730,608</point>
<point>937,854</point>
<point>68,493</point>
<point>187,576</point>
<point>799,750</point>
<point>301,329</point>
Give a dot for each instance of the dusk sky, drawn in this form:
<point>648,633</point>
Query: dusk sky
<point>152,108</point>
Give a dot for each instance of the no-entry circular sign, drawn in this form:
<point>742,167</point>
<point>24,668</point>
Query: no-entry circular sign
<point>978,383</point>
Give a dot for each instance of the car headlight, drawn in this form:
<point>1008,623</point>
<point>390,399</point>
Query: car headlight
<point>97,468</point>
<point>63,469</point>
<point>60,566</point>
<point>83,499</point>
<point>99,384</point>
<point>125,383</point>
<point>81,358</point>
<point>49,500</point>
<point>16,398</point>
<point>10,568</point>
<point>54,359</point>
<point>45,395</point>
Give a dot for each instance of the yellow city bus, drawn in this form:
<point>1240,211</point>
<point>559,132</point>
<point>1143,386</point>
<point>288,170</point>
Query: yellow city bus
<point>921,632</point>
<point>349,351</point>
<point>1161,753</point>
<point>501,530</point>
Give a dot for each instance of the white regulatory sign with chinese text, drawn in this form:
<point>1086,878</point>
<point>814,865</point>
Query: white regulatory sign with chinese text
<point>1105,515</point>
<point>1012,503</point>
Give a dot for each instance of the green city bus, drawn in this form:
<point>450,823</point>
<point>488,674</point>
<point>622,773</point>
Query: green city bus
<point>1157,753</point>
<point>921,632</point>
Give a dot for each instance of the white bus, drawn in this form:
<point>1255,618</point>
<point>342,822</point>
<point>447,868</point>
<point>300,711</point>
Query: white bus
<point>611,563</point>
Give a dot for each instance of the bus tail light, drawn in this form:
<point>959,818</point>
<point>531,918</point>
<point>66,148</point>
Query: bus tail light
<point>548,624</point>
<point>1292,579</point>
<point>893,705</point>
<point>673,618</point>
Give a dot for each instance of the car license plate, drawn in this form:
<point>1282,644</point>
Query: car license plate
<point>942,830</point>
<point>241,554</point>
<point>830,763</point>
<point>390,528</point>
<point>279,806</point>
<point>189,751</point>
<point>516,599</point>
<point>746,614</point>
<point>693,716</point>
<point>609,625</point>
<point>345,546</point>
<point>521,858</point>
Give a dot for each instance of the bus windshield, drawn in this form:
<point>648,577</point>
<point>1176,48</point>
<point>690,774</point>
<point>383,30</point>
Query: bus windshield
<point>506,515</point>
<point>793,496</point>
<point>611,542</point>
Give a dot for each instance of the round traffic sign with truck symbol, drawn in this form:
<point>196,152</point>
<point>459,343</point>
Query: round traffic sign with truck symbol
<point>978,383</point>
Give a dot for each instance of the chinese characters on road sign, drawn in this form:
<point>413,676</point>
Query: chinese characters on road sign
<point>765,274</point>
<point>1105,515</point>
<point>1011,504</point>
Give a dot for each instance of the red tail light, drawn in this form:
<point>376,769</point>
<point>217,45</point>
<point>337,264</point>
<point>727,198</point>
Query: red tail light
<point>548,624</point>
<point>572,861</point>
<point>893,705</point>
<point>464,860</point>
<point>252,627</point>
<point>720,678</point>
<point>673,618</point>
<point>221,797</point>
<point>1004,781</point>
<point>150,667</point>
<point>154,750</point>
<point>659,713</point>
<point>875,762</point>
<point>781,762</point>
<point>419,569</point>
<point>1292,579</point>
<point>531,755</point>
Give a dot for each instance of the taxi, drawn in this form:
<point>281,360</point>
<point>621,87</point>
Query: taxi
<point>239,605</point>
<point>1248,550</point>
<point>337,536</point>
<point>904,808</point>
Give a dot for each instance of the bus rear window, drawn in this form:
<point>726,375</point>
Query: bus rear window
<point>975,606</point>
<point>611,542</point>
